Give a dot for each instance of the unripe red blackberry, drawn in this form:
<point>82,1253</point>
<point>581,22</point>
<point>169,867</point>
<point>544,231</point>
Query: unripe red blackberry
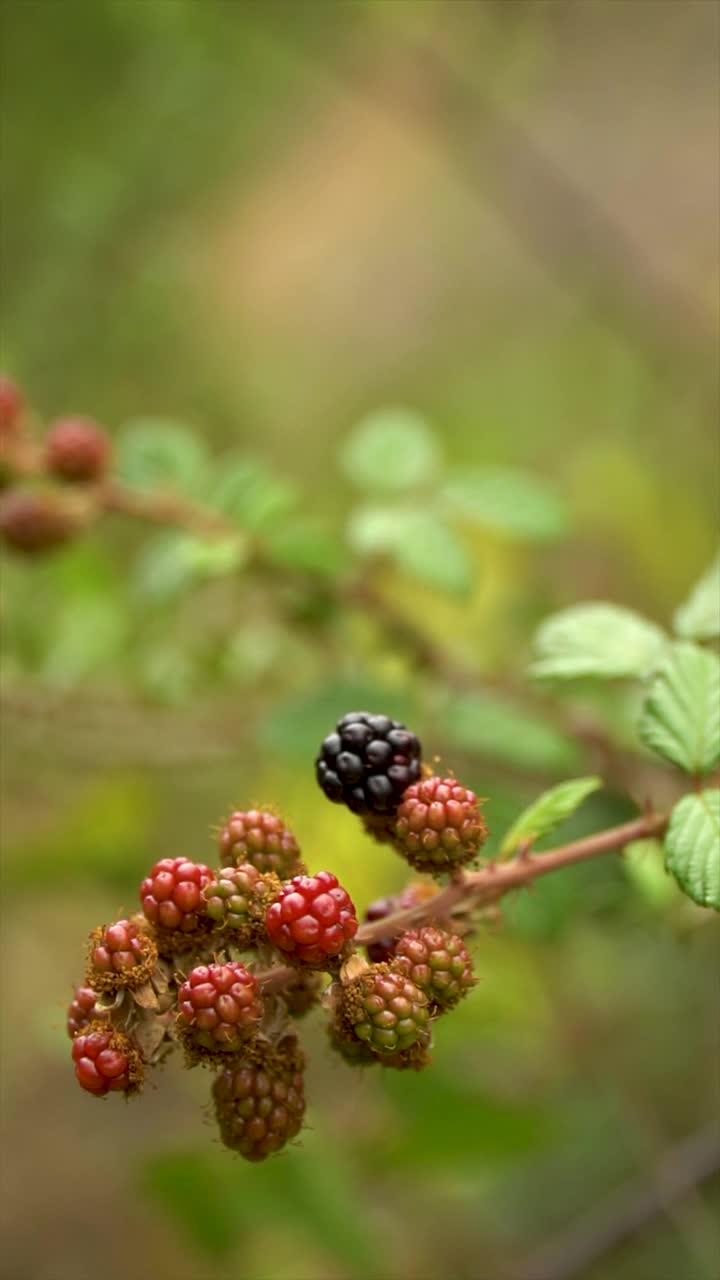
<point>262,839</point>
<point>384,1009</point>
<point>368,762</point>
<point>238,899</point>
<point>411,896</point>
<point>77,449</point>
<point>439,825</point>
<point>260,1104</point>
<point>12,403</point>
<point>312,919</point>
<point>437,962</point>
<point>32,520</point>
<point>172,900</point>
<point>106,1061</point>
<point>82,1010</point>
<point>219,1008</point>
<point>120,955</point>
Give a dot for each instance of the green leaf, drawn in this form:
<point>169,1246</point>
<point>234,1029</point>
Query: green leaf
<point>174,561</point>
<point>156,454</point>
<point>596,640</point>
<point>188,1185</point>
<point>699,617</point>
<point>498,729</point>
<point>306,545</point>
<point>389,451</point>
<point>419,542</point>
<point>512,501</point>
<point>434,555</point>
<point>547,812</point>
<point>692,847</point>
<point>681,717</point>
<point>248,491</point>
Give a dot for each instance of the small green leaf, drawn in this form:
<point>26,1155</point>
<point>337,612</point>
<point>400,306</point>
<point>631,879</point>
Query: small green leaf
<point>434,554</point>
<point>596,640</point>
<point>498,729</point>
<point>681,718</point>
<point>307,545</point>
<point>418,541</point>
<point>248,491</point>
<point>174,561</point>
<point>699,617</point>
<point>389,451</point>
<point>512,501</point>
<point>548,811</point>
<point>692,847</point>
<point>155,454</point>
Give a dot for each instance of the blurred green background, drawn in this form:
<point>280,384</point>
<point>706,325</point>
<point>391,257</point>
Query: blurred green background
<point>262,223</point>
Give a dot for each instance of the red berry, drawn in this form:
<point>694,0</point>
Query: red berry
<point>312,918</point>
<point>106,1061</point>
<point>260,1105</point>
<point>437,962</point>
<point>121,955</point>
<point>171,895</point>
<point>439,825</point>
<point>262,839</point>
<point>219,1007</point>
<point>77,449</point>
<point>12,403</point>
<point>32,520</point>
<point>81,1010</point>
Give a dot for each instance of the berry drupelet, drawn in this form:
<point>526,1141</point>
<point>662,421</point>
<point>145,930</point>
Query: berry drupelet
<point>261,838</point>
<point>171,895</point>
<point>439,825</point>
<point>106,1061</point>
<point>77,449</point>
<point>259,1105</point>
<point>219,1008</point>
<point>312,919</point>
<point>368,762</point>
<point>120,955</point>
<point>438,962</point>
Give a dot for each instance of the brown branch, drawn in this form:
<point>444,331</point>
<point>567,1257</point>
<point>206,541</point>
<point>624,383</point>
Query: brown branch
<point>497,879</point>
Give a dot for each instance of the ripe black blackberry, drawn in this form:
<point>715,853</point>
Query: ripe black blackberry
<point>368,762</point>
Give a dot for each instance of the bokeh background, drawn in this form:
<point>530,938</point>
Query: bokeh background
<point>261,223</point>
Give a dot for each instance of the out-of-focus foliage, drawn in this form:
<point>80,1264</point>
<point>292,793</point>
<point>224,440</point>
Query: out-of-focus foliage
<point>241,236</point>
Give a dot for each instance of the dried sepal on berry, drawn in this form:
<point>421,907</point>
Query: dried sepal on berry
<point>107,1061</point>
<point>237,899</point>
<point>260,1100</point>
<point>261,838</point>
<point>312,920</point>
<point>438,962</point>
<point>219,1011</point>
<point>384,1009</point>
<point>439,825</point>
<point>120,955</point>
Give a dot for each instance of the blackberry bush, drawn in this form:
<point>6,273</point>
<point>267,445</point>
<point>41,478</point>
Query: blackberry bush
<point>260,1101</point>
<point>439,825</point>
<point>437,962</point>
<point>120,955</point>
<point>219,1008</point>
<point>312,919</point>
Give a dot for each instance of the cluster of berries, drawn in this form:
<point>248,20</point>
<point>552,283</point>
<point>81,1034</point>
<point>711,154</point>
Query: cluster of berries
<point>65,465</point>
<point>186,970</point>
